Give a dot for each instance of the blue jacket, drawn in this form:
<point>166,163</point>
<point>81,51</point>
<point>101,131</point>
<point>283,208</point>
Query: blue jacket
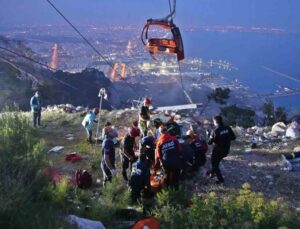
<point>35,104</point>
<point>89,120</point>
<point>140,175</point>
<point>108,149</point>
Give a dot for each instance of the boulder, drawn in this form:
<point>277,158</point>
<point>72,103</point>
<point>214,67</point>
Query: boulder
<point>70,106</point>
<point>293,131</point>
<point>259,131</point>
<point>239,131</point>
<point>278,128</point>
<point>79,108</point>
<point>297,149</point>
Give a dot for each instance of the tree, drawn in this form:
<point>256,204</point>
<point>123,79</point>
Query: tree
<point>220,95</point>
<point>269,112</point>
<point>280,114</point>
<point>234,115</point>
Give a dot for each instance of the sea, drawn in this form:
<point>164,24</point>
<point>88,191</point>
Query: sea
<point>253,54</point>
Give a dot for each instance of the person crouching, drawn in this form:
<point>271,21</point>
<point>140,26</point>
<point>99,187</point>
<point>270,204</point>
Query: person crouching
<point>140,178</point>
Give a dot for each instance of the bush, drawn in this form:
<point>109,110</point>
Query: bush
<point>21,160</point>
<point>114,198</point>
<point>234,115</point>
<point>246,209</point>
<point>273,115</point>
<point>220,95</point>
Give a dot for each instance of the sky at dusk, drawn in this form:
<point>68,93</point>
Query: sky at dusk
<point>269,13</point>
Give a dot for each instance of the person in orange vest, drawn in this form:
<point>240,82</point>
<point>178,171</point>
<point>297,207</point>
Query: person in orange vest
<point>167,154</point>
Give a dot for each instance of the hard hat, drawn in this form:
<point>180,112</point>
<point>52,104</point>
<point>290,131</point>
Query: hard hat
<point>96,110</point>
<point>147,101</point>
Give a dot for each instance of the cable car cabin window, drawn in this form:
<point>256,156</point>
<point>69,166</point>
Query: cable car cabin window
<point>158,32</point>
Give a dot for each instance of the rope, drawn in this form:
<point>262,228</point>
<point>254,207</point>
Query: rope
<point>42,64</point>
<point>189,99</point>
<point>111,65</point>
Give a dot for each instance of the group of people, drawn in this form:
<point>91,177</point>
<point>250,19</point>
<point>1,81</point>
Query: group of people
<point>161,150</point>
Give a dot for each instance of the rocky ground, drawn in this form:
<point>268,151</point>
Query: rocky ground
<point>261,167</point>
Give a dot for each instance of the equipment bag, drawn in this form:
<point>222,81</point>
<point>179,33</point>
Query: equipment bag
<point>83,179</point>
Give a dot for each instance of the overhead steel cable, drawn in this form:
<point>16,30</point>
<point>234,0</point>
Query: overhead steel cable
<point>42,64</point>
<point>111,65</point>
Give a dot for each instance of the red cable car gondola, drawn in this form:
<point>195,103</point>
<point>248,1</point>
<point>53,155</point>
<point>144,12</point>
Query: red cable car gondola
<point>163,45</point>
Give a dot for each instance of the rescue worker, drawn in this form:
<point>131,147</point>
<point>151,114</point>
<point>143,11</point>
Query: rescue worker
<point>144,116</point>
<point>108,156</point>
<point>200,148</point>
<point>36,109</point>
<point>88,122</point>
<point>221,137</point>
<point>140,178</point>
<point>127,151</point>
<point>187,154</point>
<point>167,155</point>
<point>113,130</point>
<point>173,128</point>
<point>148,148</point>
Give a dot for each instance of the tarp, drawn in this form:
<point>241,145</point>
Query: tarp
<point>82,223</point>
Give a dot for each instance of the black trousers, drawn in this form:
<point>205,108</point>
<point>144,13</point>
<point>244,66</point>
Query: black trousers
<point>36,118</point>
<point>125,165</point>
<point>216,158</point>
<point>172,174</point>
<point>199,160</point>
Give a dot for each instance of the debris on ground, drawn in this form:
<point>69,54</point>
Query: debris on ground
<point>82,223</point>
<point>56,149</point>
<point>73,157</point>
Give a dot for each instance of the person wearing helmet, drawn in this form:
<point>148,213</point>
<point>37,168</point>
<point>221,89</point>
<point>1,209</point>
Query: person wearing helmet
<point>88,122</point>
<point>127,151</point>
<point>200,148</point>
<point>144,116</point>
<point>36,109</point>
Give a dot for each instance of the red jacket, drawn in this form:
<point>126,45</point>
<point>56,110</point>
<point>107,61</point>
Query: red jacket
<point>166,144</point>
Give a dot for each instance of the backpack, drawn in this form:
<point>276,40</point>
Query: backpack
<point>83,179</point>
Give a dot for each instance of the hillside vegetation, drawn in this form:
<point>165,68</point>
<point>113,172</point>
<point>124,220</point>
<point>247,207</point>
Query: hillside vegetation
<point>28,198</point>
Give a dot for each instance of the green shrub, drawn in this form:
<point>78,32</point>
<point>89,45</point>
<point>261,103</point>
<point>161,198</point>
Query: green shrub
<point>246,209</point>
<point>115,194</point>
<point>234,115</point>
<point>220,95</point>
<point>21,180</point>
<point>57,193</point>
<point>21,158</point>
